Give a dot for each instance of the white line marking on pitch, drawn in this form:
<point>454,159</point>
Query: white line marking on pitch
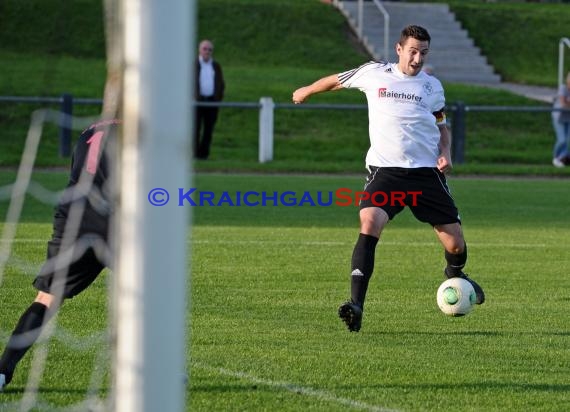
<point>335,243</point>
<point>319,394</point>
<point>388,243</point>
<point>27,240</point>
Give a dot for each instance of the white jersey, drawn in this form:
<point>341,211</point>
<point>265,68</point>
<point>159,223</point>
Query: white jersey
<point>404,113</point>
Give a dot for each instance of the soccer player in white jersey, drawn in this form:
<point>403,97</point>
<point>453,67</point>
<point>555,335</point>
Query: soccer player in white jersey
<point>409,152</point>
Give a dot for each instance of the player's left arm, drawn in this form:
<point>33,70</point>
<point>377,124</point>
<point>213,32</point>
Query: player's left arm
<point>444,159</point>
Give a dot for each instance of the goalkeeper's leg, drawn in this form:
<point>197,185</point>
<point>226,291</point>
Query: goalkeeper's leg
<point>25,334</point>
<point>75,278</point>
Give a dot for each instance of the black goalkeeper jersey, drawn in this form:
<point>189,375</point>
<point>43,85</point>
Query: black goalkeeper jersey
<point>89,186</point>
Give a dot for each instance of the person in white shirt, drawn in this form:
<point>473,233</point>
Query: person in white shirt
<point>209,87</point>
<point>409,153</point>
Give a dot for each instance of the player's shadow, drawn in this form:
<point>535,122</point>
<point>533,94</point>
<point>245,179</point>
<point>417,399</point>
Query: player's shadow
<point>15,390</point>
<point>519,387</point>
<point>224,388</point>
<point>457,333</point>
<point>470,333</point>
<point>475,333</point>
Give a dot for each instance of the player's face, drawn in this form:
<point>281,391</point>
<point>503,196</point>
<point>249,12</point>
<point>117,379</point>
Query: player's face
<point>412,55</point>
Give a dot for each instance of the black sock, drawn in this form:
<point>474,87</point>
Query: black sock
<point>23,337</point>
<point>455,263</point>
<point>362,267</point>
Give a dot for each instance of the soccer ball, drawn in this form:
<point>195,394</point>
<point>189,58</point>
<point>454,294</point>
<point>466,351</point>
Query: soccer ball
<point>456,297</point>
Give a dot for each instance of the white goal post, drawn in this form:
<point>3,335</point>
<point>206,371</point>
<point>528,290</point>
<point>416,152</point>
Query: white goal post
<point>151,270</point>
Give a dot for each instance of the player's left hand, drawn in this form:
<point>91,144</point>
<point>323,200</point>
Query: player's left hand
<point>444,164</point>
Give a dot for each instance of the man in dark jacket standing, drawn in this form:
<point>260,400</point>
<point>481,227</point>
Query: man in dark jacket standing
<point>209,88</point>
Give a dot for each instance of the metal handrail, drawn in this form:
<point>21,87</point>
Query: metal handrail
<point>563,41</point>
<point>386,27</point>
<point>266,106</point>
<point>386,16</point>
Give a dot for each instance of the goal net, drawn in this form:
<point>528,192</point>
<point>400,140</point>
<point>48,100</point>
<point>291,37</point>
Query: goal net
<point>137,361</point>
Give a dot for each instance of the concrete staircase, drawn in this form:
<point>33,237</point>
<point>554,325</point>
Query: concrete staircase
<point>453,55</point>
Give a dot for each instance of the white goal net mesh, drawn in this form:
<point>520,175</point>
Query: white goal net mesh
<point>104,350</point>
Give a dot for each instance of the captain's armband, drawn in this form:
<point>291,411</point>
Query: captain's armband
<point>440,118</point>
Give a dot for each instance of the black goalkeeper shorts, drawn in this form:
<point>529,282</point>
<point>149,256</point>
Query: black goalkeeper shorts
<point>424,190</point>
<point>68,272</point>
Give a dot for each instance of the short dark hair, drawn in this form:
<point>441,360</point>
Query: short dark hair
<point>415,32</point>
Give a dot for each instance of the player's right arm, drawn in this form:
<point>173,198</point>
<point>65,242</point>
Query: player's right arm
<point>325,84</point>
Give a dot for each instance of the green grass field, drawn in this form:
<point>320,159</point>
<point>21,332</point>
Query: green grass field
<point>266,283</point>
<point>263,334</point>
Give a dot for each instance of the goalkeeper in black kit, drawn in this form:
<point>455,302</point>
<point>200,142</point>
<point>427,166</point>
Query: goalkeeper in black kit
<point>79,248</point>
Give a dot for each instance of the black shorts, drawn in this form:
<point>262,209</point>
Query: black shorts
<point>424,190</point>
<point>68,272</point>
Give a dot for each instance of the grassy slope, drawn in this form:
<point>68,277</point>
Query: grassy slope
<point>300,41</point>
